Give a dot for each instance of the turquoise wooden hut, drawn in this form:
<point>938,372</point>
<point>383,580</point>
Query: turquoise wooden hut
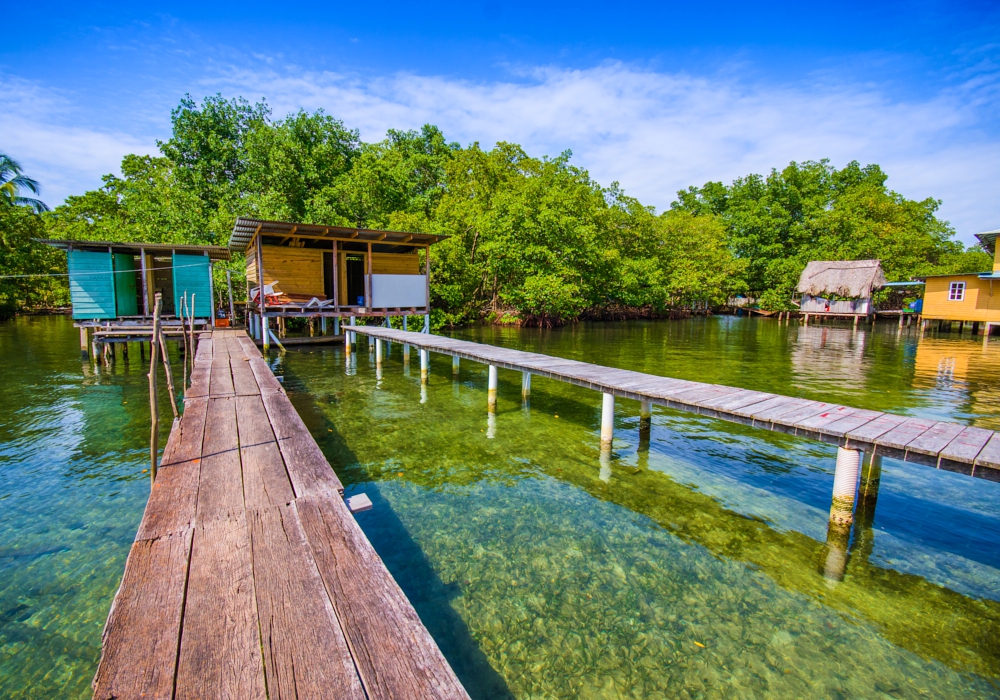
<point>119,281</point>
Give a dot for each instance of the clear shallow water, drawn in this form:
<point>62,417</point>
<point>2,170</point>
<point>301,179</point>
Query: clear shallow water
<point>693,570</point>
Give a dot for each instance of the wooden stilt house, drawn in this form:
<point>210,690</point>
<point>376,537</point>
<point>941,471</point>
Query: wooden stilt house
<point>116,282</point>
<point>310,270</point>
<point>839,288</point>
<point>972,297</point>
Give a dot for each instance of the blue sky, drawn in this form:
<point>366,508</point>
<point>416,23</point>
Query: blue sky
<point>657,97</point>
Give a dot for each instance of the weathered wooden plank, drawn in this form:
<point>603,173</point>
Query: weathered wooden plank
<point>250,348</point>
<point>220,654</point>
<point>967,445</point>
<point>905,432</point>
<point>221,382</point>
<point>745,398</point>
<point>935,439</point>
<point>139,644</point>
<point>989,456</point>
<point>265,481</point>
<point>803,411</point>
<point>305,652</point>
<point>879,426</point>
<point>174,497</point>
<point>244,381</point>
<point>220,494</point>
<point>394,653</point>
<point>767,407</point>
<point>857,419</point>
<point>307,468</point>
<point>818,420</point>
<point>266,380</point>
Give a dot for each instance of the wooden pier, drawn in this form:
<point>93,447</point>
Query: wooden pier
<point>249,578</point>
<point>966,449</point>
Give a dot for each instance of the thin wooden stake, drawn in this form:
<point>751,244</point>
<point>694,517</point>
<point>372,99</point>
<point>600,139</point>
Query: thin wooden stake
<point>154,431</point>
<point>184,340</point>
<point>170,374</point>
<point>191,329</point>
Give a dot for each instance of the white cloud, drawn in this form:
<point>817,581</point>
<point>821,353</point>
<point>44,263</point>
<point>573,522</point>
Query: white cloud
<point>41,130</point>
<point>657,132</point>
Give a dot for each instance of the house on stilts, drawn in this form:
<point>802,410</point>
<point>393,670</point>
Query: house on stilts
<point>840,288</point>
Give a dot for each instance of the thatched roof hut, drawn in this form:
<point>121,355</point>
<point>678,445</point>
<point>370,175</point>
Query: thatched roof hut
<point>853,279</point>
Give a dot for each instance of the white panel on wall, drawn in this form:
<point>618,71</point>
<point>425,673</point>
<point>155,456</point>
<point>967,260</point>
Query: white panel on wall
<point>403,291</point>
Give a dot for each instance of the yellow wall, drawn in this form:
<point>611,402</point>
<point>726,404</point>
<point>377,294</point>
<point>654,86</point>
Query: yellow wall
<point>300,270</point>
<point>978,304</point>
<point>996,258</point>
<point>297,270</point>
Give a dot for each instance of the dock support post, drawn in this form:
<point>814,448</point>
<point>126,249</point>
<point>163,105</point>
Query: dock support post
<point>378,354</point>
<point>322,325</point>
<point>84,343</point>
<point>645,420</point>
<point>491,392</point>
<point>845,485</point>
<point>856,321</point>
<point>336,325</point>
<point>975,328</point>
<point>607,419</point>
<point>454,365</point>
<point>354,336</point>
<point>805,320</point>
<point>986,334</point>
<point>900,320</point>
<point>525,385</point>
<point>427,324</point>
<point>871,475</point>
<point>424,362</point>
<point>265,333</point>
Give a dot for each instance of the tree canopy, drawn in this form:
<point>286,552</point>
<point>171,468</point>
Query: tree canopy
<point>532,240</point>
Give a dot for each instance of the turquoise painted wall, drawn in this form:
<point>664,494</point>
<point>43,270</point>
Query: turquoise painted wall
<point>126,299</point>
<point>91,284</point>
<point>191,275</point>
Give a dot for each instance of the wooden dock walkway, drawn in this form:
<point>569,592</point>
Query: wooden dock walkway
<point>249,578</point>
<point>966,449</point>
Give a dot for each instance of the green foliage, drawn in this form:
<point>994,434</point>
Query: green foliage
<point>812,211</point>
<point>21,255</point>
<point>533,241</point>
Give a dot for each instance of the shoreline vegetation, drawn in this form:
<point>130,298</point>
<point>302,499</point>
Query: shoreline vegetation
<point>534,241</point>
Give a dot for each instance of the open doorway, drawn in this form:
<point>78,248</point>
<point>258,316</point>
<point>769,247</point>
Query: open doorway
<point>163,282</point>
<point>355,277</point>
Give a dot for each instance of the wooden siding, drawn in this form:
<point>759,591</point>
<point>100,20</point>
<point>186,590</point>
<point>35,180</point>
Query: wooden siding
<point>395,264</point>
<point>126,299</point>
<point>191,275</point>
<point>978,304</point>
<point>296,270</point>
<point>92,294</point>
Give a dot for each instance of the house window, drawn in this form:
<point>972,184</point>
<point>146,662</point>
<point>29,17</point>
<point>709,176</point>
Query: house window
<point>956,291</point>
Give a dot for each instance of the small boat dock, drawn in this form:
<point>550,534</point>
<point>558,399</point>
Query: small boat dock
<point>249,577</point>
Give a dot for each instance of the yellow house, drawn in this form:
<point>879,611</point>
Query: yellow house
<point>971,297</point>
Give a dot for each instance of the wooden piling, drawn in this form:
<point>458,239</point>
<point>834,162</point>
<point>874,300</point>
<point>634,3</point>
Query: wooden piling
<point>84,343</point>
<point>170,375</point>
<point>154,411</point>
<point>645,420</point>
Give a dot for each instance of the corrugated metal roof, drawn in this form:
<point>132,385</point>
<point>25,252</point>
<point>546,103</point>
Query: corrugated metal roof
<point>215,252</point>
<point>988,239</point>
<point>245,228</point>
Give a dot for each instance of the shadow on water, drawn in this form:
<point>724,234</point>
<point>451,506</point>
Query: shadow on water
<point>430,596</point>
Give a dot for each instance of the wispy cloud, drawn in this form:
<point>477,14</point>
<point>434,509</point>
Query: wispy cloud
<point>658,132</point>
<point>41,128</point>
<point>653,131</point>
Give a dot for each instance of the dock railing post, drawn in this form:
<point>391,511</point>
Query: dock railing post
<point>154,430</point>
<point>491,390</point>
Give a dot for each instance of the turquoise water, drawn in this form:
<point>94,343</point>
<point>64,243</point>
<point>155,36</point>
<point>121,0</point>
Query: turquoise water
<point>688,566</point>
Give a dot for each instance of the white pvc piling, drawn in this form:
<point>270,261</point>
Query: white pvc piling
<point>454,365</point>
<point>608,419</point>
<point>525,385</point>
<point>378,353</point>
<point>845,485</point>
<point>424,364</point>
<point>491,393</point>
